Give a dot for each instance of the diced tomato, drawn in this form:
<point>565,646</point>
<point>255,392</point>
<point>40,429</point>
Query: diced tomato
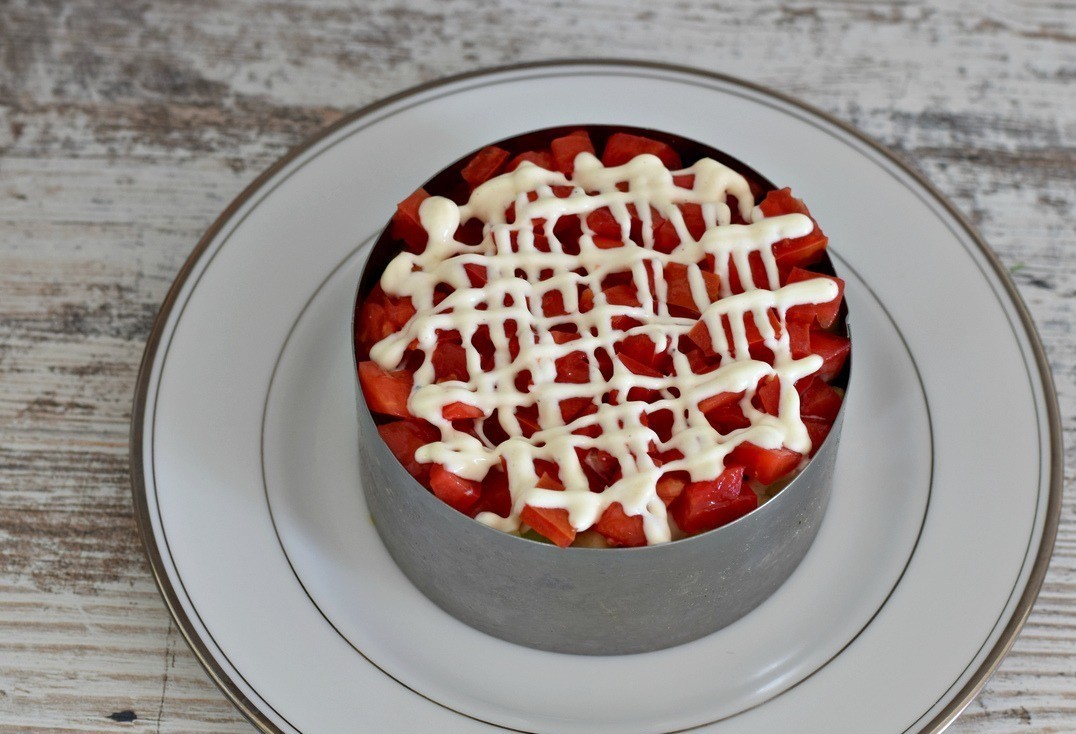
<point>553,303</point>
<point>693,220</point>
<point>679,296</point>
<point>799,339</point>
<point>563,337</point>
<point>386,392</point>
<point>759,277</point>
<point>817,430</point>
<point>527,416</point>
<point>639,347</point>
<point>379,316</point>
<point>496,497</point>
<point>638,367</point>
<point>833,348</point>
<point>765,465</point>
<point>566,149</point>
<point>404,438</point>
<point>540,158</point>
<point>370,327</point>
<point>637,227</point>
<point>450,362</point>
<point>818,400</point>
<point>551,523</point>
<point>607,243</point>
<point>470,232</point>
<point>406,224</point>
<point>728,418</point>
<point>460,411</point>
<point>572,408</point>
<point>477,274</point>
<point>484,165</point>
<point>573,367</point>
<point>604,224</point>
<point>825,313</point>
<point>453,490</point>
<point>699,362</point>
<point>703,506</point>
<point>719,400</point>
<point>753,335</point>
<point>586,300</point>
<point>547,481</point>
<point>620,528</point>
<point>622,147</point>
<point>795,251</point>
<point>661,423</point>
<point>700,336</point>
<point>621,295</point>
<point>769,394</point>
<point>665,237</point>
<point>600,467</point>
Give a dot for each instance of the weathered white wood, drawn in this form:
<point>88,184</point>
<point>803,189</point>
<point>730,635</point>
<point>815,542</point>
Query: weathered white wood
<point>126,127</point>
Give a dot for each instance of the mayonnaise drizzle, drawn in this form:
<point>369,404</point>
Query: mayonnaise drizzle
<point>623,435</point>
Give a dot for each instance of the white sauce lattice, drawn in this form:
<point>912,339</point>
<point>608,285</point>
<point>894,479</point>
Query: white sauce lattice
<point>519,274</point>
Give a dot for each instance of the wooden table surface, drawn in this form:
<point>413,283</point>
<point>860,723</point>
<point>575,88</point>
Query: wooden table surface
<point>126,127</point>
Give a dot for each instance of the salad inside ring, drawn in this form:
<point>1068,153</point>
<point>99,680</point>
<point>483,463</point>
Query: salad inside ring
<point>599,343</point>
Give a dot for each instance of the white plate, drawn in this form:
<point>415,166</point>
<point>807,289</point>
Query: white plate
<point>246,479</point>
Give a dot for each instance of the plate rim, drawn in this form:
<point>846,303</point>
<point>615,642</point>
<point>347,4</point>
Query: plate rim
<point>152,550</point>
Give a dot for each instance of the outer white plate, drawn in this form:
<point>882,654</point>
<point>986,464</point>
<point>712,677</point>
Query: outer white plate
<point>246,480</point>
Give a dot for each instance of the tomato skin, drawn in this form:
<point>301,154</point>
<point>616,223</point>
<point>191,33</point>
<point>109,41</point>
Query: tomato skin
<point>455,491</point>
<point>551,523</point>
<point>484,166</point>
<point>764,465</point>
<point>622,147</point>
<point>565,150</point>
<point>620,528</point>
<point>404,438</point>
<point>386,392</point>
<point>703,506</point>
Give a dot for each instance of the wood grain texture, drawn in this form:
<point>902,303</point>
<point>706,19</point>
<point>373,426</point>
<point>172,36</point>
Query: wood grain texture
<point>126,127</point>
